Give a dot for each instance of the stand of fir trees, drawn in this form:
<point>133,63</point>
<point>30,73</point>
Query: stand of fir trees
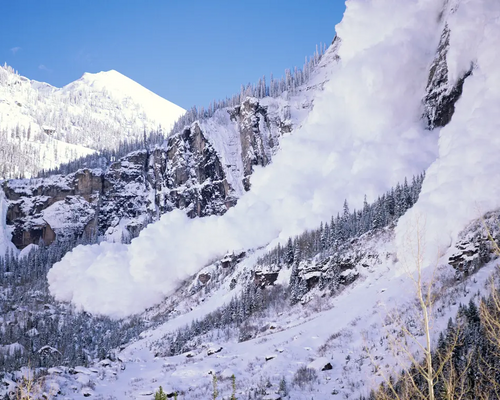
<point>272,88</point>
<point>105,157</point>
<point>465,362</point>
<point>326,241</point>
<point>21,154</point>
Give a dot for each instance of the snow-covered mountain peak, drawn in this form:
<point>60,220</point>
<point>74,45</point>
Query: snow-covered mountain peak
<point>110,79</point>
<point>124,89</point>
<point>111,72</point>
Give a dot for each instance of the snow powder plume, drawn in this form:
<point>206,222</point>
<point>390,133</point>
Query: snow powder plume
<point>462,183</point>
<point>363,136</point>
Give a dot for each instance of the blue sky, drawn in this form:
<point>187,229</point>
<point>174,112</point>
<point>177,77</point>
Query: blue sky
<point>189,52</point>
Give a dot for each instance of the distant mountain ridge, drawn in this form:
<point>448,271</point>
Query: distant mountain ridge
<point>42,126</point>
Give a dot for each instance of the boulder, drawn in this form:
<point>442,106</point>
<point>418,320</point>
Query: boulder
<point>213,350</point>
<point>320,364</point>
<point>204,278</point>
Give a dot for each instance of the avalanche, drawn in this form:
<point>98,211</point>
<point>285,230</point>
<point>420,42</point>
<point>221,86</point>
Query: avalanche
<point>364,135</point>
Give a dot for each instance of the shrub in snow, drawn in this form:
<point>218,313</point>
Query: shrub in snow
<point>283,387</point>
<point>304,377</point>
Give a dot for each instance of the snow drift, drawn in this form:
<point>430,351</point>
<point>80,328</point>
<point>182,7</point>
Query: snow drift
<point>364,135</point>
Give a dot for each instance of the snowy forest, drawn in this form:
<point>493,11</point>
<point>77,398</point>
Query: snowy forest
<point>23,152</point>
<point>465,362</point>
<point>42,127</point>
<point>83,116</point>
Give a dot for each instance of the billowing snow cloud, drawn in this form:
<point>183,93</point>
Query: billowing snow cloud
<point>462,184</point>
<point>364,135</point>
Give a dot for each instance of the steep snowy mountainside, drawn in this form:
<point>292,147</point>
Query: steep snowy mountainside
<point>413,86</point>
<point>23,155</point>
<point>55,125</point>
<point>328,330</point>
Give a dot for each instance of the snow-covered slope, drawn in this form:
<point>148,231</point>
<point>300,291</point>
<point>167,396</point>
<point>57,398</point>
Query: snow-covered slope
<point>344,336</point>
<point>42,126</point>
<point>370,128</point>
<point>136,101</point>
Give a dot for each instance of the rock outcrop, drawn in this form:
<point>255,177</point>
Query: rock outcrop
<point>476,245</point>
<point>257,136</point>
<point>190,172</point>
<point>439,102</point>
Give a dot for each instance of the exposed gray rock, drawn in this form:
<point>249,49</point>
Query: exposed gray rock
<point>439,102</point>
<point>204,278</point>
<point>257,136</point>
<point>265,278</point>
<point>214,350</point>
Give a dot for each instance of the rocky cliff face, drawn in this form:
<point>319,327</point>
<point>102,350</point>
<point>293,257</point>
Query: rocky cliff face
<point>256,146</point>
<point>36,207</point>
<point>442,94</point>
<point>194,172</point>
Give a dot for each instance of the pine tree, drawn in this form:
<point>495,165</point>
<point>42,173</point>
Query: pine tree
<point>160,394</point>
